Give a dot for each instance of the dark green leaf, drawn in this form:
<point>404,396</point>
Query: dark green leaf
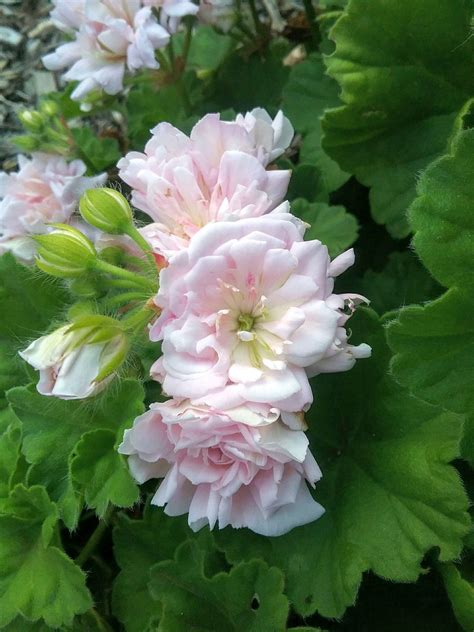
<point>404,69</point>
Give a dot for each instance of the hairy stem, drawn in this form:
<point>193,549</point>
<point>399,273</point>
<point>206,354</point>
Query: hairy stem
<point>96,537</point>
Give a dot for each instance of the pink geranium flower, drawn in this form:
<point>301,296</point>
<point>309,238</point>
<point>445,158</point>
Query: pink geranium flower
<point>248,312</point>
<point>46,189</point>
<point>216,174</point>
<point>238,468</point>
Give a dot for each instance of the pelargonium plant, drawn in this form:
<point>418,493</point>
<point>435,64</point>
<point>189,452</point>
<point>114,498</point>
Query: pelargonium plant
<point>236,261</point>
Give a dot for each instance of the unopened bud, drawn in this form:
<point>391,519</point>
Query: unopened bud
<point>65,252</point>
<point>78,360</point>
<point>31,120</point>
<point>107,210</point>
<point>50,108</point>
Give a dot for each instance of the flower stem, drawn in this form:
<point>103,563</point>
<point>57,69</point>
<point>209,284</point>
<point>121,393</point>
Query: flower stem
<point>187,40</point>
<point>253,10</point>
<point>123,299</point>
<point>136,320</point>
<point>142,243</point>
<point>96,537</point>
<point>131,277</point>
<point>311,17</point>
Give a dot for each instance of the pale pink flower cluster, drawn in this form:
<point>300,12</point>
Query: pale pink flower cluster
<point>248,315</point>
<point>110,36</point>
<point>217,173</point>
<point>45,190</point>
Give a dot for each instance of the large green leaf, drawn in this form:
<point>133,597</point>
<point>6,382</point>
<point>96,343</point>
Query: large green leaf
<point>52,428</point>
<point>388,490</point>
<point>248,598</point>
<point>434,344</point>
<point>101,472</point>
<point>307,94</point>
<point>37,579</point>
<point>138,545</point>
<point>405,69</point>
<point>442,215</point>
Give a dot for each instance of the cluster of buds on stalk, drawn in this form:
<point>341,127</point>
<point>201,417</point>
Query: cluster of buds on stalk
<point>45,131</point>
<point>80,358</point>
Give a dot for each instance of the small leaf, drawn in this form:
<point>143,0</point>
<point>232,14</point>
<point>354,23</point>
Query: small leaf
<point>332,225</point>
<point>102,152</point>
<point>248,598</point>
<point>461,595</point>
<point>37,579</point>
<point>101,472</point>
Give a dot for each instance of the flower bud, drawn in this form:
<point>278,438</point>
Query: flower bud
<point>107,210</point>
<point>50,108</point>
<point>65,252</point>
<point>80,359</point>
<point>31,120</point>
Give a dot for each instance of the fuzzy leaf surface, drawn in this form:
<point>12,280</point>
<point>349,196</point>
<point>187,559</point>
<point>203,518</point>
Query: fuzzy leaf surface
<point>404,69</point>
<point>37,579</point>
<point>249,598</point>
<point>101,472</point>
<point>52,428</point>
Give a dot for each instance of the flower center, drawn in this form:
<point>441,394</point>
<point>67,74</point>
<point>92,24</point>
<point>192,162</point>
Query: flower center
<point>246,322</point>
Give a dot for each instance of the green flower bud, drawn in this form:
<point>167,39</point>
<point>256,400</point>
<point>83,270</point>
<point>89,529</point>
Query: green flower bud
<point>50,108</point>
<point>26,143</point>
<point>65,252</point>
<point>107,210</point>
<point>31,120</point>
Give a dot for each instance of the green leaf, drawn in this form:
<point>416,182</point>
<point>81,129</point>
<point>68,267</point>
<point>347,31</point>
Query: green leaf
<point>404,69</point>
<point>101,472</point>
<point>101,151</point>
<point>332,225</point>
<point>13,371</point>
<point>402,281</point>
<point>37,579</point>
<point>257,81</point>
<point>442,215</point>
<point>10,441</point>
<point>146,107</point>
<point>248,598</point>
<point>434,347</point>
<point>52,428</point>
<point>208,48</point>
<point>29,301</point>
<point>388,490</point>
<point>306,96</point>
<point>434,353</point>
<point>138,545</point>
<point>461,595</point>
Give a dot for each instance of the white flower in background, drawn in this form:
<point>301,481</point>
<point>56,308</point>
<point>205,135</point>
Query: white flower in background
<point>114,35</point>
